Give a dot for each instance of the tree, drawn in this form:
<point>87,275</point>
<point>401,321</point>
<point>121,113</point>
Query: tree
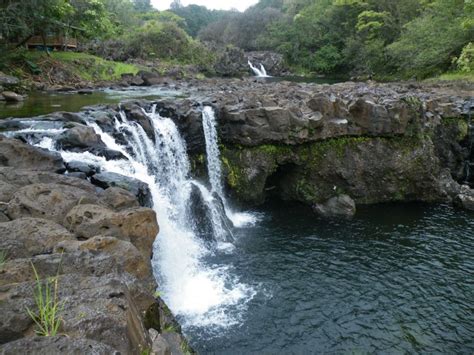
<point>142,5</point>
<point>176,4</point>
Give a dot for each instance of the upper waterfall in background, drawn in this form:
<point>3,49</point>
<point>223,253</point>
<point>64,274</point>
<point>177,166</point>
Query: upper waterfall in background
<point>261,73</point>
<point>194,221</point>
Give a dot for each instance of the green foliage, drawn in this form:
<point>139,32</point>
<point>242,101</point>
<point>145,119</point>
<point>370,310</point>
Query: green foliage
<point>3,257</point>
<point>165,40</point>
<point>465,62</point>
<point>48,317</point>
<point>198,17</point>
<point>380,38</point>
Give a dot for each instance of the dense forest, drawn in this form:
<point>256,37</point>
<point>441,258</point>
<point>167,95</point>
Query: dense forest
<point>367,38</point>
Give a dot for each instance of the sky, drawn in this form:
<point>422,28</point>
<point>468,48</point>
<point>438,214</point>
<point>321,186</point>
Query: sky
<point>240,5</point>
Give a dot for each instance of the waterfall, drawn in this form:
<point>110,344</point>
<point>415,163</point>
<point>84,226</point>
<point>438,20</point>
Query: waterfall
<point>191,217</point>
<point>261,73</point>
<point>214,169</point>
<point>212,150</point>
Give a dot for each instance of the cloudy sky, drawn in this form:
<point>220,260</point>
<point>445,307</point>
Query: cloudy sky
<point>240,5</point>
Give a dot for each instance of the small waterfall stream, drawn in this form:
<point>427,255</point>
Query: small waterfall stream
<point>195,222</point>
<point>261,73</point>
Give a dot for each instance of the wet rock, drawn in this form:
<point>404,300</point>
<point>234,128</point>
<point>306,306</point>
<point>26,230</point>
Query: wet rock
<point>79,137</point>
<point>56,345</point>
<point>81,167</point>
<point>135,113</point>
<point>465,198</point>
<point>17,154</point>
<point>136,225</point>
<point>10,96</point>
<point>136,187</point>
<point>338,206</point>
<point>51,201</point>
<point>26,237</point>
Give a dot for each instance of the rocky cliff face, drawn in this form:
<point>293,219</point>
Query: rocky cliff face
<point>98,242</point>
<point>309,143</point>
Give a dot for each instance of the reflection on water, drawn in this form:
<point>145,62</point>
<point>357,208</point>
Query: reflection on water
<point>40,103</point>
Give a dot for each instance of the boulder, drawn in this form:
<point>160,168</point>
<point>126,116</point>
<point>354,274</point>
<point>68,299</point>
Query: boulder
<point>150,78</point>
<point>11,96</point>
<point>338,206</point>
<point>136,225</point>
<point>135,186</point>
<point>465,198</point>
<point>51,201</point>
<point>126,255</point>
<point>57,345</point>
<point>26,237</point>
<point>118,199</point>
<point>7,80</point>
<point>79,137</point>
<point>19,155</point>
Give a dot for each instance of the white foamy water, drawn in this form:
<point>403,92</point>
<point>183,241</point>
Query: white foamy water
<point>214,170</point>
<point>261,73</point>
<point>199,294</point>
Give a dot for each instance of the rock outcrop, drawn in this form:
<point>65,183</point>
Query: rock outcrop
<point>338,206</point>
<point>96,242</point>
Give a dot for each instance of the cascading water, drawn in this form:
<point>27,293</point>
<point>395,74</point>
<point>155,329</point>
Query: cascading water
<point>261,73</point>
<point>199,294</point>
<point>214,169</point>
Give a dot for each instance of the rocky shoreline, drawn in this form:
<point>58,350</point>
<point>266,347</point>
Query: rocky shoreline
<point>329,146</point>
<point>97,242</point>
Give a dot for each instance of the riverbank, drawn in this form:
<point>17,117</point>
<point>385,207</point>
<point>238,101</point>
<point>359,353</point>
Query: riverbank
<point>89,245</point>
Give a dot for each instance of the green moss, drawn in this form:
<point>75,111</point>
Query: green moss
<point>461,125</point>
<point>234,175</point>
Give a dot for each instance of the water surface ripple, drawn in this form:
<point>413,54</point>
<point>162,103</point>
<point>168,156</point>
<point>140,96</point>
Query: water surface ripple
<point>395,279</point>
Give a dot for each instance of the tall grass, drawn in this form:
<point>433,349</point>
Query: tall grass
<point>48,317</point>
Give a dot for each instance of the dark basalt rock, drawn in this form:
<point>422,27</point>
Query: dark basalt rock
<point>81,167</point>
<point>338,206</point>
<point>79,137</point>
<point>136,187</point>
<point>203,219</point>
